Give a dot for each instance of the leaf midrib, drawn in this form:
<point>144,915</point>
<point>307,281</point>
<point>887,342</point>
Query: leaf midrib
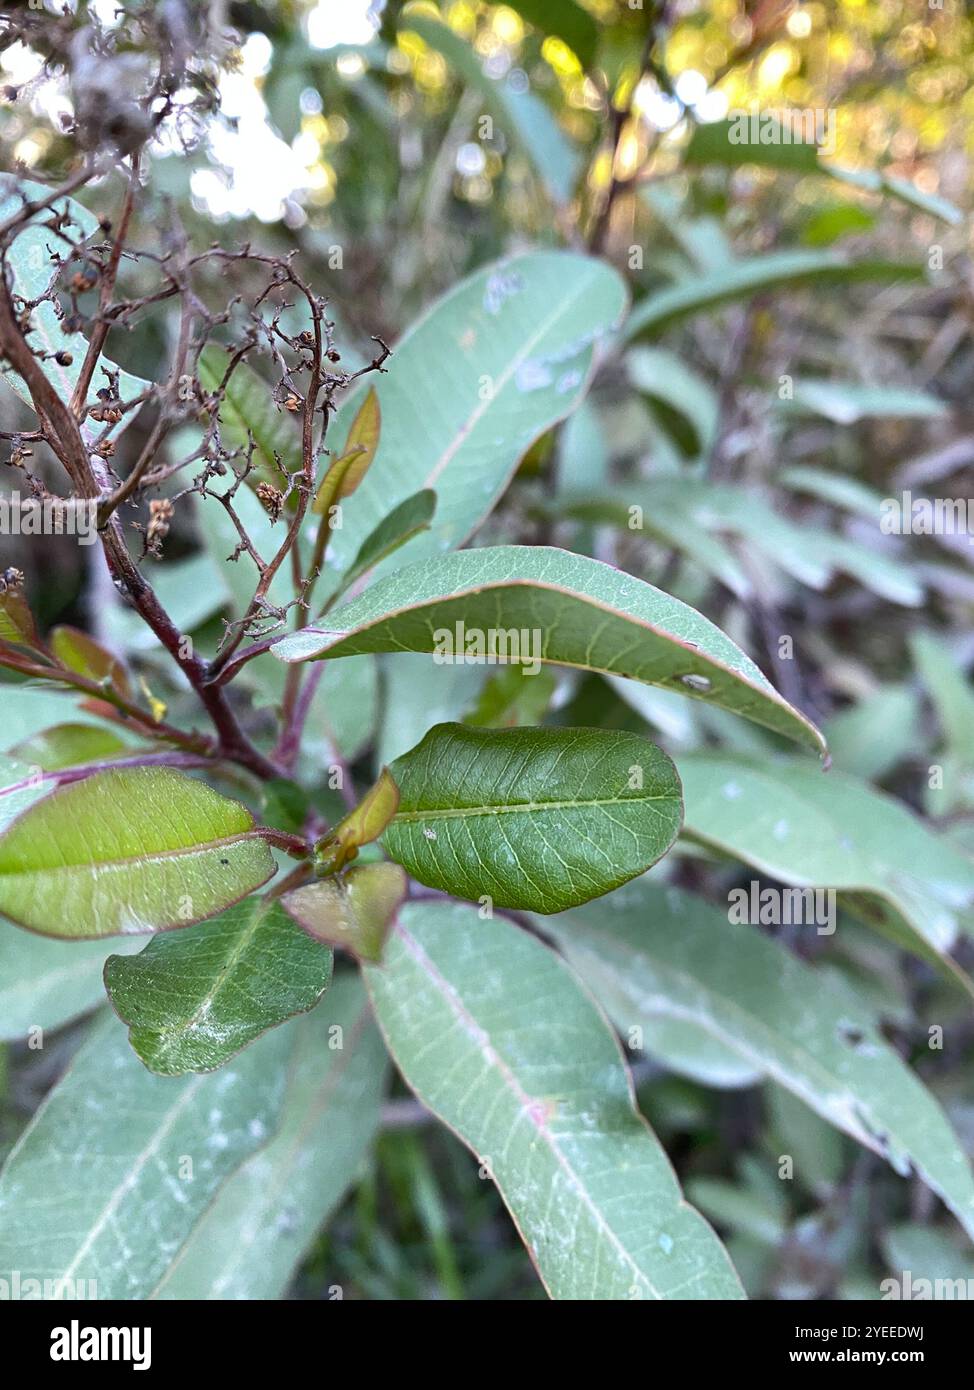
<point>528,807</point>
<point>123,861</point>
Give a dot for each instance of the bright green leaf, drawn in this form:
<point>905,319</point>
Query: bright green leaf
<point>194,998</point>
<point>532,818</point>
<point>126,852</point>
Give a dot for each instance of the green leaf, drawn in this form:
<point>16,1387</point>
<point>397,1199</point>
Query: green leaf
<point>194,998</point>
<point>846,402</point>
<point>876,181</point>
<point>418,693</point>
<point>566,20</point>
<point>868,739</point>
<point>832,831</point>
<point>68,745</point>
<point>532,818</point>
<point>949,689</point>
<point>523,115</point>
<point>30,261</point>
<point>686,506</point>
<point>682,395</point>
<point>838,489</point>
<point>717,142</point>
<point>662,953</point>
<point>496,1037</point>
<point>251,1240</point>
<point>744,279</point>
<point>45,984</point>
<point>117,1166</point>
<point>401,525</point>
<point>126,852</point>
<point>672,524</point>
<point>354,911</point>
<point>928,1253</point>
<point>514,347</point>
<point>570,610</point>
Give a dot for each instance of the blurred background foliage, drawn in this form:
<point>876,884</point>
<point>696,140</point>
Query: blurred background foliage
<point>395,148</point>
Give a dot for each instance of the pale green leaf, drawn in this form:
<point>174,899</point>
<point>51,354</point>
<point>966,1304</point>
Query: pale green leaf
<point>45,984</point>
<point>117,1166</point>
<point>252,1238</point>
<point>571,610</point>
<point>846,402</point>
<point>656,952</point>
<point>744,279</point>
<point>832,831</point>
<point>514,347</point>
<point>32,266</point>
<point>495,1036</point>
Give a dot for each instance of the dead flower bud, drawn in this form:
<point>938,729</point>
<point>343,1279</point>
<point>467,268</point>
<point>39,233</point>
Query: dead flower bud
<point>106,448</point>
<point>160,515</point>
<point>292,402</point>
<point>83,280</point>
<point>63,358</point>
<point>272,500</point>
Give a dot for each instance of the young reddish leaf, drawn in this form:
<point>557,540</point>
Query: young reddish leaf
<point>362,825</point>
<point>79,652</point>
<point>348,470</point>
<point>354,911</point>
<point>16,619</point>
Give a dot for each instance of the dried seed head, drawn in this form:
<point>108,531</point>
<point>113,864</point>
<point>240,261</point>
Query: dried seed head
<point>272,500</point>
